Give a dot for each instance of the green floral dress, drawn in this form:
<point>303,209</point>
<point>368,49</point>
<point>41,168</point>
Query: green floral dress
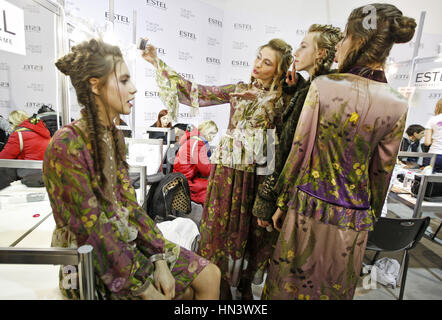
<point>241,160</point>
<point>333,185</point>
<point>106,216</point>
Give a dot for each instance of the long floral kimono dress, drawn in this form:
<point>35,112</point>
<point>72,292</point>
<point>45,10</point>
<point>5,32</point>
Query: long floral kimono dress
<point>226,218</point>
<point>333,185</point>
<point>106,216</point>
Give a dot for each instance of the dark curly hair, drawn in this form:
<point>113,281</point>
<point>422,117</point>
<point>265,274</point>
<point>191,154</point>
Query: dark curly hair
<point>93,59</point>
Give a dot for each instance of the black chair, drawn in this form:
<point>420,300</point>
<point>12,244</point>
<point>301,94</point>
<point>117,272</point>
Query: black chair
<point>397,235</point>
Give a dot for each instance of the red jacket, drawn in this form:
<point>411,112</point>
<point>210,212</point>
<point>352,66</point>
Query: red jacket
<point>192,161</point>
<point>35,142</point>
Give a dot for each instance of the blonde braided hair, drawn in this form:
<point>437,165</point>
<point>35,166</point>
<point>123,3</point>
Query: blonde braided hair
<point>326,37</point>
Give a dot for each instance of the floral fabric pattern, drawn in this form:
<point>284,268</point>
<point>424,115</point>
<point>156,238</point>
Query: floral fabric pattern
<point>122,235</point>
<point>241,153</point>
<point>245,143</point>
<point>333,185</point>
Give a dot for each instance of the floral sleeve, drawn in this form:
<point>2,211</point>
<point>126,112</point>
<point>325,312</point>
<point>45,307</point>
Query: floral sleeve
<point>382,165</point>
<point>303,141</point>
<point>121,266</point>
<point>174,89</point>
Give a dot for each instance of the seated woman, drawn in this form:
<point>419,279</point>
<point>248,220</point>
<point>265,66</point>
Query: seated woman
<point>93,202</point>
<point>411,143</point>
<point>193,161</point>
<point>28,140</point>
<point>163,121</point>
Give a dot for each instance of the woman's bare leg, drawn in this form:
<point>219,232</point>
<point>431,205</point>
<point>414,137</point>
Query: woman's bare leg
<point>188,294</point>
<point>206,284</point>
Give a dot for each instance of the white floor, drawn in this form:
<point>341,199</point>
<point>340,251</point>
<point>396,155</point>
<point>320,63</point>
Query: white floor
<point>33,282</point>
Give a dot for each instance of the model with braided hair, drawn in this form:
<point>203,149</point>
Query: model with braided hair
<point>255,107</point>
<point>335,180</point>
<point>93,201</point>
<point>315,55</point>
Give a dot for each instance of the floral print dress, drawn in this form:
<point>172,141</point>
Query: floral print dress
<point>240,161</point>
<point>333,186</point>
<point>106,216</point>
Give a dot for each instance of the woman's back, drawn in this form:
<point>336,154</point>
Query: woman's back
<point>358,131</point>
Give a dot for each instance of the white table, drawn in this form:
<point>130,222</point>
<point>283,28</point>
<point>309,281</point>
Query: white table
<point>19,217</point>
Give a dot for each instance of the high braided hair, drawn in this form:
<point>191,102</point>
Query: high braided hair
<point>285,58</point>
<point>93,59</point>
<point>326,37</point>
<point>373,45</point>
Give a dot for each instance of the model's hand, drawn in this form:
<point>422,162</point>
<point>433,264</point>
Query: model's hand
<point>150,55</point>
<point>291,78</point>
<point>151,293</point>
<point>164,281</point>
<point>263,223</point>
<point>246,95</point>
<point>278,219</point>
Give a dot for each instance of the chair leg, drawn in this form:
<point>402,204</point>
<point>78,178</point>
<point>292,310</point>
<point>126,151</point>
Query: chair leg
<point>437,231</point>
<point>404,275</point>
<point>376,255</point>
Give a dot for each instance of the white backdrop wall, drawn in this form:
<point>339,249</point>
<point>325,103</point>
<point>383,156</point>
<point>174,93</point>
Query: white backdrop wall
<point>29,81</point>
<point>214,42</point>
<point>211,42</point>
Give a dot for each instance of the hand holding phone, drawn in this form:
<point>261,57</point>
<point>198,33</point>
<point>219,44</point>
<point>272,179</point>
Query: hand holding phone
<point>149,51</point>
<point>142,43</point>
<point>291,78</point>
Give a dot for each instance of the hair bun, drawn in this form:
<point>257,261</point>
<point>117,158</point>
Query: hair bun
<point>402,29</point>
<point>64,64</point>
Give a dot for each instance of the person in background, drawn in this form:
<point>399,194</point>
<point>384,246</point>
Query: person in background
<point>411,143</point>
<point>192,159</point>
<point>49,117</point>
<point>433,136</point>
<point>28,139</point>
<point>15,118</point>
<point>163,121</point>
<point>335,180</point>
<point>93,201</point>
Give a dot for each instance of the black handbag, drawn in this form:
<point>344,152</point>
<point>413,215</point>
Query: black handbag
<point>433,192</point>
<point>168,198</point>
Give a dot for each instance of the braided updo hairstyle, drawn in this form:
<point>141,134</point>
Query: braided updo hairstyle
<point>93,59</point>
<point>373,45</point>
<point>285,58</point>
<point>326,37</point>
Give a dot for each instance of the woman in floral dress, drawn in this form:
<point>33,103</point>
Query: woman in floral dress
<point>255,110</point>
<point>336,177</point>
<point>93,202</point>
<point>315,55</point>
